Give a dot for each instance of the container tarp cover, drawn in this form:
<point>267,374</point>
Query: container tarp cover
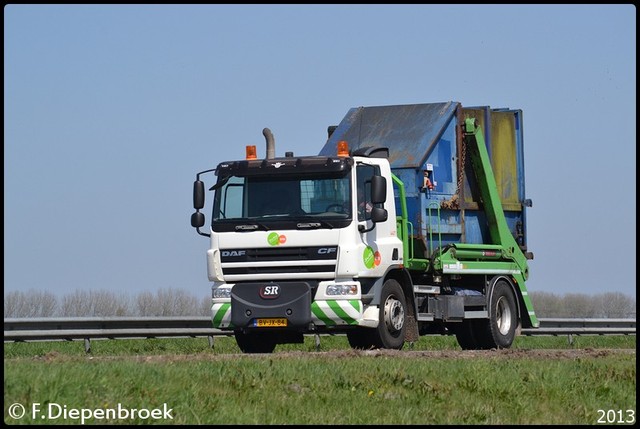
<point>409,131</point>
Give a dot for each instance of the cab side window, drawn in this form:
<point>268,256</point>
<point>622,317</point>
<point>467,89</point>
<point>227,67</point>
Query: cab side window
<point>363,189</point>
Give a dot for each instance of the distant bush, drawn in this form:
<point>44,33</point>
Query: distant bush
<point>179,302</point>
<point>104,303</point>
<point>32,303</point>
<point>92,303</point>
<point>166,302</point>
<point>608,305</point>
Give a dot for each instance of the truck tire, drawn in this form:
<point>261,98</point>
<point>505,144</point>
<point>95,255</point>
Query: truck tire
<point>465,334</point>
<point>499,331</point>
<point>361,339</point>
<point>390,332</point>
<point>255,342</point>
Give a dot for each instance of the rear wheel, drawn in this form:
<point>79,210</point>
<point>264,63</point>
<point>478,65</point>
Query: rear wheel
<point>256,342</point>
<point>499,331</point>
<point>465,334</point>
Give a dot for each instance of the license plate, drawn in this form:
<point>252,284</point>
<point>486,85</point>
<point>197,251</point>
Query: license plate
<point>270,323</point>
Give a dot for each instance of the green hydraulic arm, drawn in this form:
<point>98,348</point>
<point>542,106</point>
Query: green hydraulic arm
<point>503,255</point>
<point>498,229</point>
<point>403,225</point>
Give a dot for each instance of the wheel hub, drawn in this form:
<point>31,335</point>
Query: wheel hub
<point>393,314</point>
<point>503,316</point>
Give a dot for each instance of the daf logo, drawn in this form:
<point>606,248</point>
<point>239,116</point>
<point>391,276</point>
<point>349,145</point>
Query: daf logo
<point>270,292</point>
<point>278,164</point>
<point>326,250</point>
<point>232,253</point>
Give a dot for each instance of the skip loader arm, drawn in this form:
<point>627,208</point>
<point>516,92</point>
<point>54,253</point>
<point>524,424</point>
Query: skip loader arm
<point>504,245</point>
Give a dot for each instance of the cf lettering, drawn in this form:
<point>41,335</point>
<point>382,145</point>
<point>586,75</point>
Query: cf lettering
<point>326,250</point>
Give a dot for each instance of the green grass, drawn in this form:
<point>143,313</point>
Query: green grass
<point>218,386</point>
<point>225,345</point>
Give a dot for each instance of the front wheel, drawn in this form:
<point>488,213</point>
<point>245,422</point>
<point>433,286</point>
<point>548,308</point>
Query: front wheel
<point>390,332</point>
<point>255,342</point>
<point>361,338</point>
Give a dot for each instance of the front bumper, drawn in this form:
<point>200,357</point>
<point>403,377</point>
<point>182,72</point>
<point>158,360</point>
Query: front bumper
<point>292,301</point>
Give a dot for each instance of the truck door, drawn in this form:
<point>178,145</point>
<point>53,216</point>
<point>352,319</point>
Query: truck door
<point>372,248</point>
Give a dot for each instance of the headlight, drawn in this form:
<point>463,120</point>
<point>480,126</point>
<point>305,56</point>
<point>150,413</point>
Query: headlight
<point>342,289</point>
<point>221,292</point>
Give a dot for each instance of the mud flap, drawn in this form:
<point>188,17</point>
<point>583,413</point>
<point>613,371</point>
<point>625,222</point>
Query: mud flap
<point>411,334</point>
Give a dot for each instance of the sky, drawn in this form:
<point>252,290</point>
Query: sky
<point>111,110</point>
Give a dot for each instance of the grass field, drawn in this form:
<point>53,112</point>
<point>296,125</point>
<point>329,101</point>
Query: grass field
<point>541,380</point>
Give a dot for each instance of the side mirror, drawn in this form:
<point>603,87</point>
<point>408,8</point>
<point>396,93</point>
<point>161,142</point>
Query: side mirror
<point>198,195</point>
<point>378,215</point>
<point>378,190</point>
<point>378,196</point>
<point>197,220</point>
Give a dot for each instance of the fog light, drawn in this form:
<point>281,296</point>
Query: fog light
<point>342,289</point>
<point>222,292</point>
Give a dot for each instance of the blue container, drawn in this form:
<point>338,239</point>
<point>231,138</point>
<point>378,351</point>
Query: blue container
<point>429,137</point>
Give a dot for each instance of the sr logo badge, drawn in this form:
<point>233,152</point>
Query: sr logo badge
<point>269,292</point>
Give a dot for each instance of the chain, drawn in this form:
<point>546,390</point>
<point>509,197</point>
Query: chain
<point>454,203</point>
<point>463,155</point>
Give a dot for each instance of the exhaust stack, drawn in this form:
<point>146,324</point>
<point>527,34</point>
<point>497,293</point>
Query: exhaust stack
<point>271,143</point>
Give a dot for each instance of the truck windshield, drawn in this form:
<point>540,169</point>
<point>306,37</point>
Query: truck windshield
<point>272,202</point>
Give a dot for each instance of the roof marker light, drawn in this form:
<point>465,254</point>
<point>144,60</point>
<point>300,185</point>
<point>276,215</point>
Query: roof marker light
<point>343,148</point>
<point>251,152</point>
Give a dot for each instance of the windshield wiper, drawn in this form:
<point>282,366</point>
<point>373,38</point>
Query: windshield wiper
<point>251,227</point>
<point>315,224</point>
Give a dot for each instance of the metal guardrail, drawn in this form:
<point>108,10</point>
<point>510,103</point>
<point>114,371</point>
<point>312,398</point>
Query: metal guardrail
<point>88,328</point>
<point>82,328</point>
<point>72,328</point>
<point>561,326</point>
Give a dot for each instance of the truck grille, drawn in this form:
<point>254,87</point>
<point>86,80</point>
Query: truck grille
<point>276,262</point>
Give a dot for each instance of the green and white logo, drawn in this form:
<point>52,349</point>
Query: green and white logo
<point>275,239</point>
<point>368,257</point>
